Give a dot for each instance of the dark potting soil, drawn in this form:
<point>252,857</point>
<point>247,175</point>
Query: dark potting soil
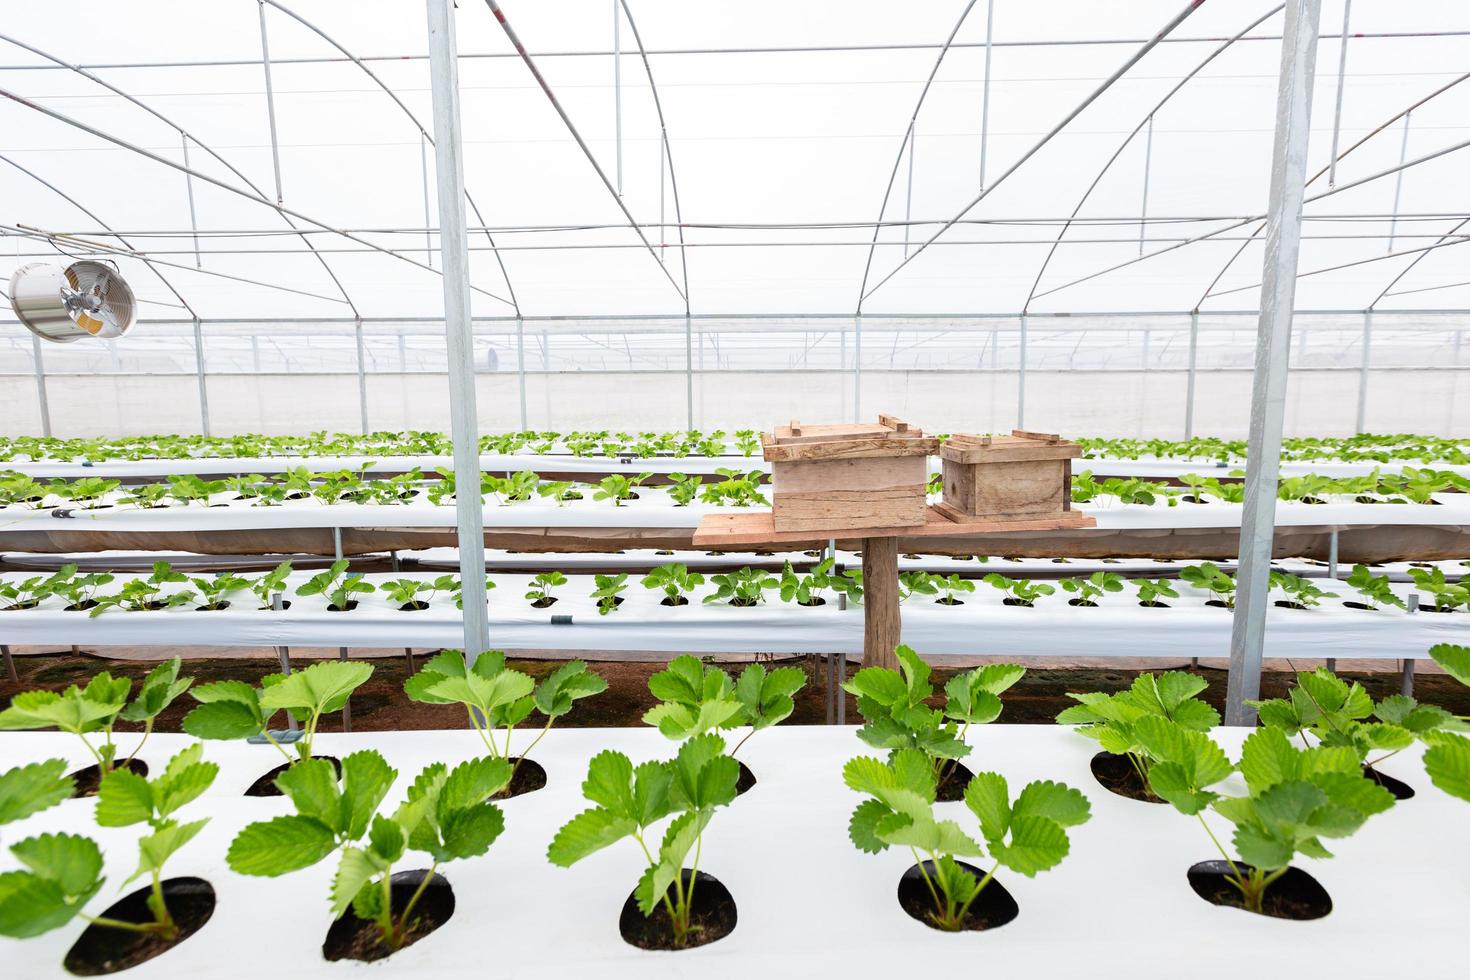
<point>712,916</point>
<point>1011,601</point>
<point>992,908</point>
<point>544,602</point>
<point>950,601</point>
<point>1295,895</point>
<point>266,785</point>
<point>220,606</point>
<point>18,606</point>
<point>1153,604</point>
<point>101,950</point>
<point>815,600</point>
<point>1081,602</point>
<point>351,938</point>
<point>1117,775</point>
<point>418,605</point>
<point>351,605</point>
<point>676,600</point>
<point>81,606</point>
<point>1217,603</point>
<point>1435,609</point>
<point>953,779</point>
<point>1287,604</point>
<point>1400,789</point>
<point>528,778</point>
<point>89,778</point>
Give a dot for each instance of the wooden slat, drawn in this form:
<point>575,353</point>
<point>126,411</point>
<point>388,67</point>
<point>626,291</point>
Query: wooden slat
<point>1043,436</point>
<point>722,531</point>
<point>857,448</point>
<point>1008,451</point>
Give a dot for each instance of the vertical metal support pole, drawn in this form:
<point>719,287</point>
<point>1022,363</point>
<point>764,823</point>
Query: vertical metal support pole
<point>1273,350</point>
<point>663,148</point>
<point>985,92</point>
<point>618,89</point>
<point>454,256</point>
<point>1363,371</point>
<point>10,673</point>
<point>857,368</point>
<point>1148,158</point>
<point>362,396</point>
<point>199,370</point>
<point>1189,378</point>
<point>1398,182</point>
<point>1406,679</point>
<point>1021,380</point>
<point>255,352</point>
<point>283,654</point>
<point>841,367</point>
<point>346,705</point>
<point>270,100</point>
<point>521,367</point>
<point>1347,13</point>
<point>189,187</point>
<point>831,687</point>
<point>908,205</point>
<point>689,370</point>
<point>1332,554</point>
<point>41,400</point>
<point>428,219</point>
<point>838,692</point>
<point>337,543</point>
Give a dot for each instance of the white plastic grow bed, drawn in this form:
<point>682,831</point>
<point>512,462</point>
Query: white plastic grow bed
<point>983,625</point>
<point>809,903</point>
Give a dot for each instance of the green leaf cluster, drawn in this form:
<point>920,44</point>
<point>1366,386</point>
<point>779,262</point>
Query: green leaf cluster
<point>695,698</point>
<point>233,709</point>
<point>1112,719</point>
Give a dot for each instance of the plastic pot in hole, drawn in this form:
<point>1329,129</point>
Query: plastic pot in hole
<point>1295,895</point>
<point>101,950</point>
<point>266,784</point>
<point>527,777</point>
<point>1116,774</point>
<point>351,938</point>
<point>991,909</point>
<point>89,778</point>
<point>712,916</point>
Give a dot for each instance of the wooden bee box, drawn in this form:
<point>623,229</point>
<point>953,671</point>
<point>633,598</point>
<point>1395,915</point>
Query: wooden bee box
<point>843,477</point>
<point>1025,476</point>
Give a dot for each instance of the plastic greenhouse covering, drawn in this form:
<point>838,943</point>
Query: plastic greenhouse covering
<point>817,210</point>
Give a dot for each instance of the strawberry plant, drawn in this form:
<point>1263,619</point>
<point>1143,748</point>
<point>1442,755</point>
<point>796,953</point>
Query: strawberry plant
<point>695,698</point>
<point>914,583</point>
<point>80,591</point>
<point>186,488</point>
<point>949,585</point>
<point>618,488</point>
<point>558,490</point>
<point>214,590</point>
<point>1295,798</point>
<point>32,788</point>
<point>737,489</point>
<point>26,594</point>
<point>96,708</point>
<point>745,587</point>
<point>1111,719</point>
<point>457,588</point>
<point>1448,596</point>
<point>16,488</point>
<point>746,441</point>
<point>683,489</point>
<point>1447,758</point>
<point>270,584</point>
<point>676,581</point>
<point>1209,577</point>
<point>234,709</point>
<point>1152,592</point>
<point>87,491</point>
<point>539,591</point>
<point>64,871</point>
<point>1301,593</point>
<point>806,590</point>
<point>1375,589</point>
<point>446,815</point>
<point>143,594</point>
<point>498,697</point>
<point>146,496</point>
<point>1090,589</point>
<point>629,801</point>
<point>1026,835</point>
<point>607,590</point>
<point>337,587</point>
<point>1019,592</point>
<point>404,593</point>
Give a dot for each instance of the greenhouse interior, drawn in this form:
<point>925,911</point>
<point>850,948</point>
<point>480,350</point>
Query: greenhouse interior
<point>836,378</point>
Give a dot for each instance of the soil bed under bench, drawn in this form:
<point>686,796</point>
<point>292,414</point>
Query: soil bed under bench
<point>808,902</point>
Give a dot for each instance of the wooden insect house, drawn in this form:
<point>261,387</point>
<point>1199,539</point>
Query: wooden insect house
<point>1026,476</point>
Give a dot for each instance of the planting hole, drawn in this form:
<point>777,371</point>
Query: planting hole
<point>88,779</point>
<point>266,785</point>
<point>544,602</point>
<point>745,781</point>
<point>101,950</point>
<point>712,916</point>
<point>953,778</point>
<point>1023,603</point>
<point>677,600</point>
<point>1295,895</point>
<point>992,908</point>
<point>1400,789</point>
<point>1117,775</point>
<point>351,938</point>
<point>528,778</point>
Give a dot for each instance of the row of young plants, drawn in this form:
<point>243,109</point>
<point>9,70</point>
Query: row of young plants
<point>167,588</point>
<point>447,814</point>
<point>1155,741</point>
<point>646,444</point>
<point>726,487</point>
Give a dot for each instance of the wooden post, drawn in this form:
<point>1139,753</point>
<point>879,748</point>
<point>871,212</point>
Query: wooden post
<point>882,629</point>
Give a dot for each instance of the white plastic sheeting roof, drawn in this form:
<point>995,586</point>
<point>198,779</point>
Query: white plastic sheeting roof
<point>782,154</point>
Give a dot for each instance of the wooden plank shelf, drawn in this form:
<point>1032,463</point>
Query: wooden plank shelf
<point>723,531</point>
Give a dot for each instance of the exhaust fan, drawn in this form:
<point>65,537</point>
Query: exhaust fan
<point>85,299</point>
